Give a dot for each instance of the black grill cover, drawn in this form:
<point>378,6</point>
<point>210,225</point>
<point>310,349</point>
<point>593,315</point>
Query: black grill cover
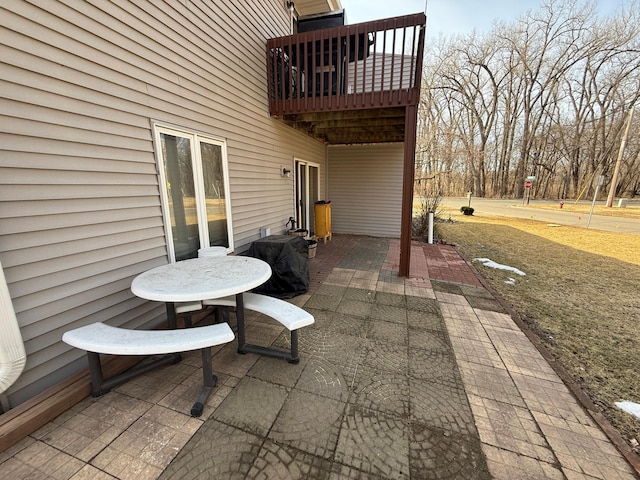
<point>288,257</point>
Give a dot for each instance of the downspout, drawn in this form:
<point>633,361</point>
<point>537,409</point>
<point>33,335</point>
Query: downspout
<point>12,353</point>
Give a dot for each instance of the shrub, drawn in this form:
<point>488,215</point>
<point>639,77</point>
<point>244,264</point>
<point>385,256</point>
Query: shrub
<point>466,210</point>
<point>427,198</point>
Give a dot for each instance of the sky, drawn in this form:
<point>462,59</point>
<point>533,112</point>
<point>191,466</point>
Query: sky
<point>450,17</point>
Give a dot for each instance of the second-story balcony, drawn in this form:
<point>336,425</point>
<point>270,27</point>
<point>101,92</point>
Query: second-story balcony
<point>348,84</point>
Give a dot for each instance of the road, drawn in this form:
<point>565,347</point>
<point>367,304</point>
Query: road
<point>515,208</point>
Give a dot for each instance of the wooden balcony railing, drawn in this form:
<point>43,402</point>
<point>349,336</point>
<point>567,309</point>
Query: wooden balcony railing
<point>367,65</point>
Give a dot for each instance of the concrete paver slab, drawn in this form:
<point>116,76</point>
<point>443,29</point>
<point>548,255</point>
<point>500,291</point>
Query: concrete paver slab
<point>252,406</point>
<point>310,423</point>
<point>374,442</point>
<point>426,377</point>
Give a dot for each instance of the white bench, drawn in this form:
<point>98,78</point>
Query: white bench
<point>98,338</point>
<point>289,315</point>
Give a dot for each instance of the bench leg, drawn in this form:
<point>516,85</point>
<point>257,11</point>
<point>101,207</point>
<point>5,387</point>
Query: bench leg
<point>209,381</point>
<point>294,347</point>
<point>100,386</point>
<point>95,370</point>
<point>244,347</point>
<point>290,356</point>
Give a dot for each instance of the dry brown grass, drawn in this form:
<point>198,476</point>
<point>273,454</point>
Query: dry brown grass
<point>627,212</point>
<point>581,295</point>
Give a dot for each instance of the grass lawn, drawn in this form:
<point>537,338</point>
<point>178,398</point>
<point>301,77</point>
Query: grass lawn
<point>628,212</point>
<point>580,294</point>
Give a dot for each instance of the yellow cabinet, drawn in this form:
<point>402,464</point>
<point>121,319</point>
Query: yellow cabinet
<point>322,213</point>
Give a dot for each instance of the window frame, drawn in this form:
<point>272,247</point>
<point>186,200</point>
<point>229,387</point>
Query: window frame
<point>307,189</point>
<point>194,136</point>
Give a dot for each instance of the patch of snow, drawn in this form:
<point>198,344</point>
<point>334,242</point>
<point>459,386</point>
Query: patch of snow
<point>510,281</point>
<point>487,262</point>
<point>629,407</point>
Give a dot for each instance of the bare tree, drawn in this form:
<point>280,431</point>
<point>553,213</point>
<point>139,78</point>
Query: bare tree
<point>545,96</point>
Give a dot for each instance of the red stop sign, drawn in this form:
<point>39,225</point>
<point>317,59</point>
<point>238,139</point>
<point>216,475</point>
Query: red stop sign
<point>527,184</point>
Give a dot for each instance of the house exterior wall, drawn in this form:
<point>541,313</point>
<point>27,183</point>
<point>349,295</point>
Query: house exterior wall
<point>80,211</point>
<point>365,189</point>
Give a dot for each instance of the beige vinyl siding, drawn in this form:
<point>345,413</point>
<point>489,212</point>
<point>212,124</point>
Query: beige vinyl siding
<point>80,212</point>
<point>365,189</point>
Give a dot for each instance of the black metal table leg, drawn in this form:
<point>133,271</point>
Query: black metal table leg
<point>240,321</point>
<point>171,315</point>
<point>209,381</point>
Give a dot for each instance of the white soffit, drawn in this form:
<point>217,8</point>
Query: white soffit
<point>313,7</point>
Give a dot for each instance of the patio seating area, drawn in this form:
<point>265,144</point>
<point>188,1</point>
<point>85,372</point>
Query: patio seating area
<point>425,377</point>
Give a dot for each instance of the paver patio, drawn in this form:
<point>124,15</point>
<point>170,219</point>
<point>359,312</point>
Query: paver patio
<point>425,377</point>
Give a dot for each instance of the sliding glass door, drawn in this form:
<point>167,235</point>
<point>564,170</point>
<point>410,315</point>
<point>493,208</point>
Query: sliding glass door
<point>307,193</point>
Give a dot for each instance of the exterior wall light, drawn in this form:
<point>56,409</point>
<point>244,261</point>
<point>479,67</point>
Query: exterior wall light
<point>285,172</point>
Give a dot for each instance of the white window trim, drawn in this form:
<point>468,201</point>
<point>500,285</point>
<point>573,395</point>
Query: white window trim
<point>203,231</point>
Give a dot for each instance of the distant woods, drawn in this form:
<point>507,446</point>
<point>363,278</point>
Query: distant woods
<point>548,95</point>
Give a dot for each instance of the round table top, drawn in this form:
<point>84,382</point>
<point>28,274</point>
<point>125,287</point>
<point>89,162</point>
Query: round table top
<point>201,279</point>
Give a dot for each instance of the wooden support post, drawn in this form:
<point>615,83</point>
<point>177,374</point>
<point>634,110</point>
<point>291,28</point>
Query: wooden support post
<point>410,129</point>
